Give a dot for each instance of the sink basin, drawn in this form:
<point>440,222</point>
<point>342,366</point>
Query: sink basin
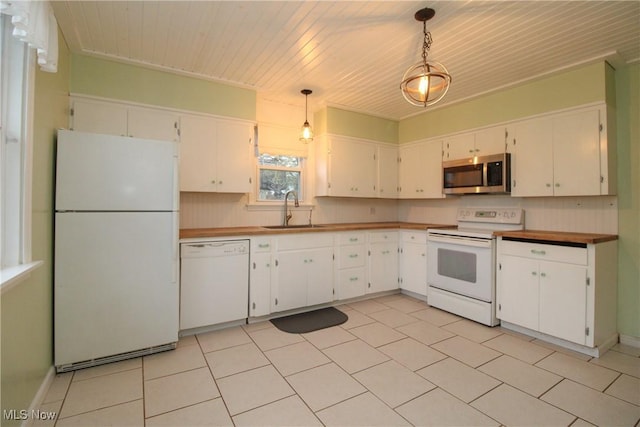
<point>285,227</point>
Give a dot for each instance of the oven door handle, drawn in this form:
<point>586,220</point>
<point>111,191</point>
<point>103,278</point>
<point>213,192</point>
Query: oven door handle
<point>460,240</point>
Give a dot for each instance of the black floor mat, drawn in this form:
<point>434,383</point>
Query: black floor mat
<point>310,321</point>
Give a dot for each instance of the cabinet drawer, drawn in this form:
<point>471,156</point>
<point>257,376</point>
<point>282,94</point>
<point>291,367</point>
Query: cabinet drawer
<point>351,283</point>
<point>351,238</point>
<point>383,236</point>
<point>305,241</point>
<point>414,236</point>
<point>261,244</point>
<point>545,252</point>
<point>352,256</point>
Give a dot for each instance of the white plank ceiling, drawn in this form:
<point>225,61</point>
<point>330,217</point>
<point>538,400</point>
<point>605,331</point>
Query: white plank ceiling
<point>352,54</point>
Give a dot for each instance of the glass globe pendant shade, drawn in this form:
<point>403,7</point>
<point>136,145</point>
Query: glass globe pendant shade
<point>306,133</point>
<point>425,83</point>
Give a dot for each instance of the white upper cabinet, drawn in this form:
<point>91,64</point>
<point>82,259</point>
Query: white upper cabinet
<point>564,154</point>
<point>215,155</point>
<point>459,146</point>
<point>153,124</point>
<point>106,118</point>
<point>420,170</point>
<point>532,158</point>
<point>346,167</point>
<point>124,120</point>
<point>483,142</point>
<point>387,185</point>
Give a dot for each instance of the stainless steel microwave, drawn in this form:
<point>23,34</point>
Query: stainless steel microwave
<point>477,175</point>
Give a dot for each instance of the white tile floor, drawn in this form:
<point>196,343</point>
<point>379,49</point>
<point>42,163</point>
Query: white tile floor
<point>396,361</point>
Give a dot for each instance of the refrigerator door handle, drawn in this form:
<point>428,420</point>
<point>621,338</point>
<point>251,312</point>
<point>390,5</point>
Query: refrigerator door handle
<point>176,246</point>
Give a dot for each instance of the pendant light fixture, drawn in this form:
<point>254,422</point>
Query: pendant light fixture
<point>306,133</point>
<point>426,82</point>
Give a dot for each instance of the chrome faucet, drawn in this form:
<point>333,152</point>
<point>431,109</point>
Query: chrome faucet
<point>287,214</point>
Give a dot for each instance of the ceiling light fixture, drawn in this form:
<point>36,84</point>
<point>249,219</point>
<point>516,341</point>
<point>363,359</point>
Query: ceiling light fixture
<point>306,133</point>
<point>426,82</point>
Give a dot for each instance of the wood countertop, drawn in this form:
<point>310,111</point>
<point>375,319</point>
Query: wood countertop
<point>558,236</point>
<point>197,233</point>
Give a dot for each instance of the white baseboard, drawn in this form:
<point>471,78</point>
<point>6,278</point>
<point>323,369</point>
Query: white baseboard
<point>36,403</point>
<point>630,340</point>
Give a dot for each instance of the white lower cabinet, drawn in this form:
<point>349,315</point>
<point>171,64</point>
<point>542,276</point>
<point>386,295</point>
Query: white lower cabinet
<point>260,276</point>
<point>566,292</point>
<point>303,266</point>
<point>413,261</point>
<point>382,251</point>
<point>351,258</point>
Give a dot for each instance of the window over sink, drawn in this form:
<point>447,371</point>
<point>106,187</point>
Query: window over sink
<point>278,174</point>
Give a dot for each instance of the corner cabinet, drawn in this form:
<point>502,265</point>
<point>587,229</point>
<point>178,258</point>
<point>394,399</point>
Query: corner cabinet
<point>215,155</point>
<point>345,167</point>
<point>420,170</point>
<point>561,290</point>
<point>571,153</point>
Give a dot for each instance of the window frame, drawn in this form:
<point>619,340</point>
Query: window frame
<point>16,253</point>
<point>301,183</point>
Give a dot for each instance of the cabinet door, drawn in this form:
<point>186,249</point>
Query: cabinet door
<point>431,170</point>
<point>460,146</point>
<point>387,172</point>
<point>319,266</point>
<point>532,158</point>
<point>260,284</point>
<point>110,119</point>
<point>383,267</point>
<point>563,301</point>
<point>413,267</point>
<point>490,141</point>
<point>352,168</point>
<point>197,153</point>
<point>410,170</point>
<point>576,154</point>
<point>290,288</point>
<point>233,165</point>
<point>153,124</point>
<point>517,291</point>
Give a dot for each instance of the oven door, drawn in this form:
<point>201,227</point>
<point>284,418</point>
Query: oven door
<point>462,265</point>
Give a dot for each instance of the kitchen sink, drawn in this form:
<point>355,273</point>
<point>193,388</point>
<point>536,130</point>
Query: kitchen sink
<point>284,227</point>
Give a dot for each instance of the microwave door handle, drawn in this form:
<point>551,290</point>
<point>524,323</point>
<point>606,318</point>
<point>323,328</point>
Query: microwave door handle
<point>485,173</point>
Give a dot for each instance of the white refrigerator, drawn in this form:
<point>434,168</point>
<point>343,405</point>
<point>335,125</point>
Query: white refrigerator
<point>116,289</point>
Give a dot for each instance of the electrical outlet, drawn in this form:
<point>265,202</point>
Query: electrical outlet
<point>372,210</point>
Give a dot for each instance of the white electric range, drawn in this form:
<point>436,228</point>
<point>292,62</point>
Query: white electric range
<point>461,273</point>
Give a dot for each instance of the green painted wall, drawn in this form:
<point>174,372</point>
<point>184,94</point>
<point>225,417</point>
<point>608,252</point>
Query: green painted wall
<point>110,79</point>
<point>27,309</point>
<point>579,86</point>
<point>628,140</point>
<point>358,125</point>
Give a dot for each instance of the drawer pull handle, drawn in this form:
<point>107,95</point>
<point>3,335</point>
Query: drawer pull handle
<point>353,239</point>
<point>353,256</point>
<point>263,245</point>
<point>538,252</point>
<point>353,279</point>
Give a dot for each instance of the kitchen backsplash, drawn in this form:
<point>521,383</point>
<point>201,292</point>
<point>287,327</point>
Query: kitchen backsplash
<point>578,214</point>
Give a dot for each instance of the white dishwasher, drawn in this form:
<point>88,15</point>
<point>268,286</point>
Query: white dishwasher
<point>214,282</point>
